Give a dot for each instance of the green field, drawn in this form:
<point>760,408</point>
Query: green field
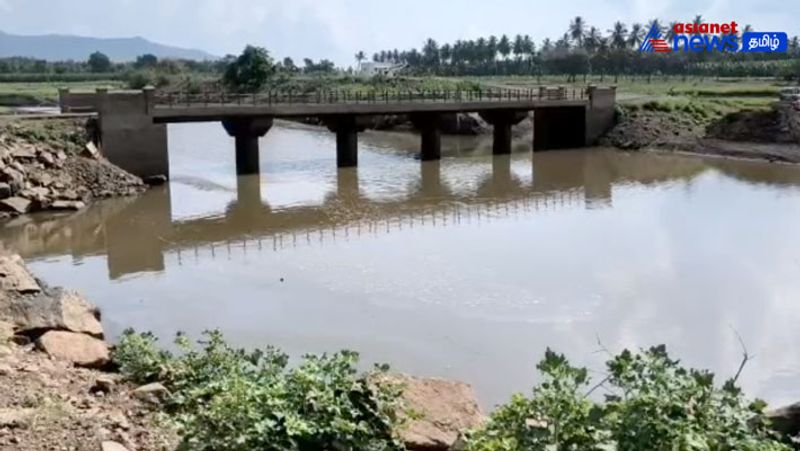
<point>45,93</point>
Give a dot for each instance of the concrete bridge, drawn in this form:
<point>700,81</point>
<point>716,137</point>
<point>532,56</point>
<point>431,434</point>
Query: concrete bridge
<point>133,131</point>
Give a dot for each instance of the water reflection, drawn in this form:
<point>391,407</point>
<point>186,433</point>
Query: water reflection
<point>467,267</point>
<point>135,233</point>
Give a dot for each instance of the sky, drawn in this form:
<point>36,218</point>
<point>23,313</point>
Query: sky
<point>336,29</point>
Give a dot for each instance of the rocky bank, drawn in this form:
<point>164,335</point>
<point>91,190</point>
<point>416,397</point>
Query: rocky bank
<point>60,391</point>
<point>53,164</point>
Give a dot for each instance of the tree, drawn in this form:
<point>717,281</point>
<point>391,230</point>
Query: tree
<point>519,47</point>
<point>250,71</point>
<point>576,28</point>
<point>591,41</point>
<point>288,65</point>
<point>146,60</point>
<point>504,46</point>
<point>636,35</point>
<point>360,56</point>
<point>619,36</point>
<point>99,62</point>
<point>430,53</point>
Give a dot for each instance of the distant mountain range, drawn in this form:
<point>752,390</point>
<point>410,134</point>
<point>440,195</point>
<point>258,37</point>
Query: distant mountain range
<point>56,47</point>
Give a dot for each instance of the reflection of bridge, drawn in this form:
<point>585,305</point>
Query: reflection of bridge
<point>133,134</point>
<point>135,232</point>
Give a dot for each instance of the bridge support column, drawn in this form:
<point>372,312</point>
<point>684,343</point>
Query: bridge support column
<point>346,129</point>
<point>430,128</point>
<point>502,121</point>
<point>247,131</point>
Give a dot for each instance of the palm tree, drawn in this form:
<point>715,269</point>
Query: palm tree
<point>698,19</point>
<point>547,46</point>
<point>360,56</point>
<point>576,28</point>
<point>619,36</point>
<point>504,46</point>
<point>670,35</point>
<point>491,48</point>
<point>519,47</point>
<point>430,52</point>
<point>591,41</point>
<point>655,23</point>
<point>635,36</point>
<point>446,52</point>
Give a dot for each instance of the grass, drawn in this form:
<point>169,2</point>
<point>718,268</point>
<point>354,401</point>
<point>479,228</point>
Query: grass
<point>45,93</point>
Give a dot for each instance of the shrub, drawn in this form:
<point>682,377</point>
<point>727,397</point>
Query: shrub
<point>231,399</point>
<point>658,405</point>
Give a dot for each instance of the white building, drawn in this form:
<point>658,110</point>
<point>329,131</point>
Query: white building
<point>373,69</point>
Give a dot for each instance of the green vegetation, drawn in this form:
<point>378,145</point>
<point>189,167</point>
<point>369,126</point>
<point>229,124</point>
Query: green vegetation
<point>584,49</point>
<point>250,71</point>
<point>26,94</point>
<point>228,399</point>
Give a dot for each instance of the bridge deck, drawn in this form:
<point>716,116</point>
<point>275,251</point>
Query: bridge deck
<point>202,107</point>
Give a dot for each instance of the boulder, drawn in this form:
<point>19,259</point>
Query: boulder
<point>5,190</point>
<point>153,393</point>
<point>104,384</point>
<point>464,124</point>
<point>112,446</point>
<point>440,411</point>
<point>15,204</point>
<point>24,153</point>
<point>90,150</point>
<point>60,310</point>
<point>67,205</point>
<point>82,350</point>
<point>14,276</point>
<point>786,420</point>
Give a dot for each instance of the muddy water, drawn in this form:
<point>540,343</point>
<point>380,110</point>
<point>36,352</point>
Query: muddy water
<point>467,268</point>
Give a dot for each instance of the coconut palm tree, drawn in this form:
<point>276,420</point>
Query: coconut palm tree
<point>670,34</point>
<point>635,36</point>
<point>504,46</point>
<point>576,30</point>
<point>591,41</point>
<point>360,56</point>
<point>619,35</point>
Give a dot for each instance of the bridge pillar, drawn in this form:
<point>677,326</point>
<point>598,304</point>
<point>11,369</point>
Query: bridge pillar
<point>502,121</point>
<point>346,128</point>
<point>430,128</point>
<point>247,131</point>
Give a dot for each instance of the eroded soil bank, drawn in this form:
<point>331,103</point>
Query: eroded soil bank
<point>772,134</point>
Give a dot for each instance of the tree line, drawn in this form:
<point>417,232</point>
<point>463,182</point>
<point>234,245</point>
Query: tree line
<point>582,49</point>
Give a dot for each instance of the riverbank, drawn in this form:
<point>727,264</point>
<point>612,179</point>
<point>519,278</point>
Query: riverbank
<point>770,133</point>
<point>69,389</point>
<point>53,164</point>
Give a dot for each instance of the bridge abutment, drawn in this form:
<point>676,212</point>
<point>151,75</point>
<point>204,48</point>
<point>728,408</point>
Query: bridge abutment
<point>128,136</point>
<point>247,132</point>
<point>502,121</point>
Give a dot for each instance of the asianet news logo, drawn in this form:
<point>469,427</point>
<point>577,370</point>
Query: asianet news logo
<point>709,37</point>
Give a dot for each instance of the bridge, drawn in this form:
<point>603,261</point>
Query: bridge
<point>133,133</point>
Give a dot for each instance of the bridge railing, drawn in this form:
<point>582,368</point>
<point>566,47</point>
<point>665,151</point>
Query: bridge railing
<point>268,98</point>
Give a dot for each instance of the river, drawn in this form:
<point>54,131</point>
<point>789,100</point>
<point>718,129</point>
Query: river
<point>468,268</point>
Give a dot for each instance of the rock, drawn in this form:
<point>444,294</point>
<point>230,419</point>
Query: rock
<point>464,124</point>
<point>103,384</point>
<point>67,205</point>
<point>90,150</point>
<point>59,310</point>
<point>155,180</point>
<point>81,350</point>
<point>112,446</point>
<point>442,410</point>
<point>14,276</point>
<point>46,158</point>
<point>23,153</point>
<point>15,418</point>
<point>15,204</point>
<point>5,190</point>
<point>153,393</point>
<point>786,420</point>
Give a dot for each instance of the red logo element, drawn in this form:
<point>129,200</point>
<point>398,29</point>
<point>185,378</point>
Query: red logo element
<point>660,46</point>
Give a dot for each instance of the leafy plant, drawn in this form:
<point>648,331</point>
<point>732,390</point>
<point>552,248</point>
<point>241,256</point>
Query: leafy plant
<point>658,405</point>
<point>231,399</point>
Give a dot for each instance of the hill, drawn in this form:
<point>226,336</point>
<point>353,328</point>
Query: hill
<point>66,47</point>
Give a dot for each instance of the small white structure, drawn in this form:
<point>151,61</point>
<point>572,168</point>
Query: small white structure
<point>374,69</point>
